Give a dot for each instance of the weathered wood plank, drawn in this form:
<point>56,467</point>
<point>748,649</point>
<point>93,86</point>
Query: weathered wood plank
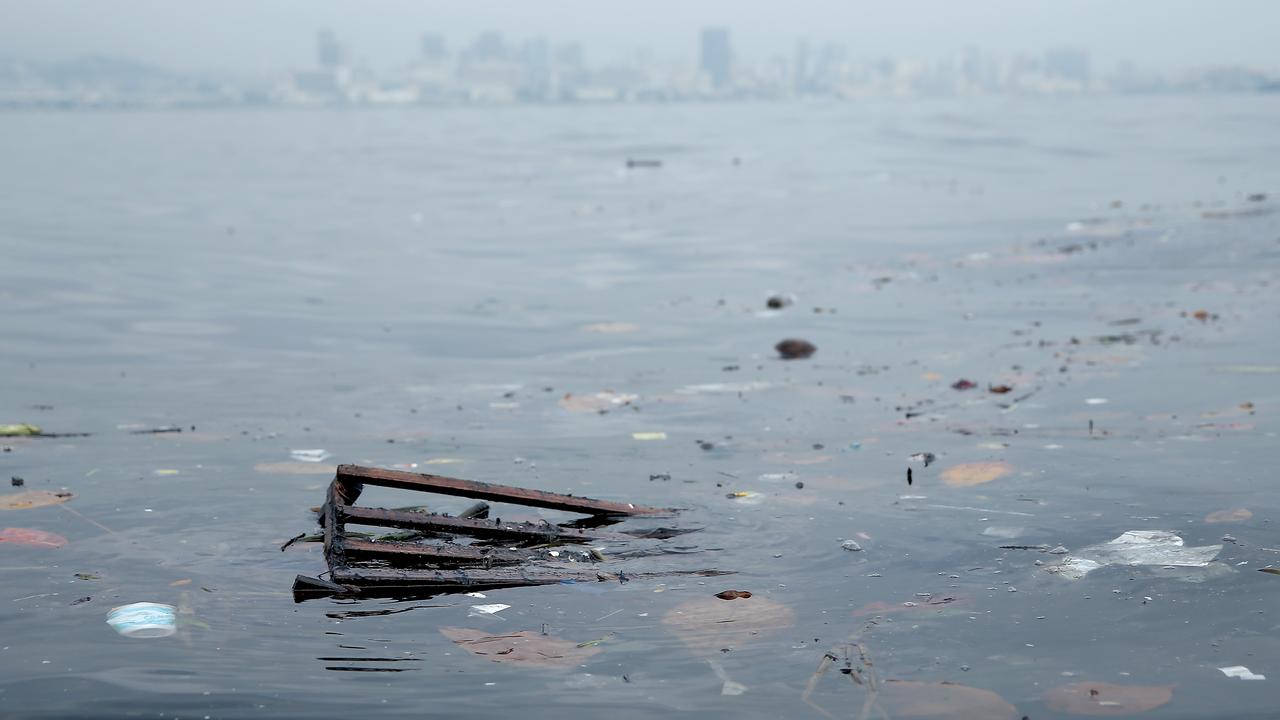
<point>525,532</point>
<point>489,491</point>
<point>440,553</point>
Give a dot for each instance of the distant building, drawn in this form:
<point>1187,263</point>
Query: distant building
<point>1067,64</point>
<point>433,48</point>
<point>328,51</point>
<point>717,57</point>
<point>488,47</point>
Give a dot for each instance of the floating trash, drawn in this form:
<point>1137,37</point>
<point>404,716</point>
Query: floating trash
<point>144,620</point>
<point>491,609</point>
<point>649,436</point>
<point>1135,547</point>
<point>1242,672</point>
<point>19,430</point>
<point>315,456</point>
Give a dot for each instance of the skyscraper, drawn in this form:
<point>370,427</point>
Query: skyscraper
<point>433,47</point>
<point>328,51</point>
<point>717,56</point>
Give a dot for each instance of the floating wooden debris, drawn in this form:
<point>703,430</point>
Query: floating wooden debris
<point>363,567</point>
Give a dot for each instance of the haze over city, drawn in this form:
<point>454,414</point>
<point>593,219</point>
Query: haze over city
<point>241,36</point>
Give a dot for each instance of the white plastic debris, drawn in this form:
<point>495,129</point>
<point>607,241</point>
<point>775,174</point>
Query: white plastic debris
<point>316,455</point>
<point>492,609</point>
<point>1004,532</point>
<point>1136,547</point>
<point>721,388</point>
<point>729,687</point>
<point>1242,672</point>
<point>851,546</point>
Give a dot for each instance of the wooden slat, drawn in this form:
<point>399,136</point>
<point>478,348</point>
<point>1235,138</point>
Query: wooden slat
<point>491,492</point>
<point>450,579</point>
<point>473,528</point>
<point>450,554</point>
<point>333,540</point>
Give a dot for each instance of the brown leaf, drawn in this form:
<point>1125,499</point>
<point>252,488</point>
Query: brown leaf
<point>1107,699</point>
<point>977,473</point>
<point>707,625</point>
<point>296,468</point>
<point>1228,516</point>
<point>999,389</point>
<point>33,499</point>
<point>1269,569</point>
<point>525,647</point>
<point>963,384</point>
<point>33,538</point>
<point>733,594</point>
<point>943,700</point>
<point>795,349</point>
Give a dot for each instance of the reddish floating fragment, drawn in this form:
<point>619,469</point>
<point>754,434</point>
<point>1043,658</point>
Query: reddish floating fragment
<point>33,538</point>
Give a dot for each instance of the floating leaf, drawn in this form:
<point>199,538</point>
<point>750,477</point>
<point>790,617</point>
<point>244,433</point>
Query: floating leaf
<point>734,594</point>
<point>19,430</point>
<point>1228,516</point>
<point>1269,569</point>
<point>910,699</point>
<point>1107,699</point>
<point>977,473</point>
<point>34,538</point>
<point>708,625</point>
<point>795,349</point>
<point>525,647</point>
<point>295,468</point>
<point>963,384</point>
<point>33,499</point>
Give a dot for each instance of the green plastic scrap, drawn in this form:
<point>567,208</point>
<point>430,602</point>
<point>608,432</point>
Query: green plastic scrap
<point>19,430</point>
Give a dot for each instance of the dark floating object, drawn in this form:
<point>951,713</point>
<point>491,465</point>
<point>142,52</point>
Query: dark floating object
<point>963,384</point>
<point>157,430</point>
<point>999,389</point>
<point>777,302</point>
<point>795,349</point>
<point>909,481</point>
<point>380,568</point>
<point>925,457</point>
<point>734,594</point>
<point>643,163</point>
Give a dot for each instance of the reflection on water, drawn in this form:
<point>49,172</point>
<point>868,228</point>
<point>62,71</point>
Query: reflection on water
<point>494,291</point>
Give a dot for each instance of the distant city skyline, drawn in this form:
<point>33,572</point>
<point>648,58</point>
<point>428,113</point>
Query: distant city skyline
<point>492,68</point>
<point>246,37</point>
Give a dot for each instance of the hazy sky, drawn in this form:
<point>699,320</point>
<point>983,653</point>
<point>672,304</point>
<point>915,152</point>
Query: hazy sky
<point>264,35</point>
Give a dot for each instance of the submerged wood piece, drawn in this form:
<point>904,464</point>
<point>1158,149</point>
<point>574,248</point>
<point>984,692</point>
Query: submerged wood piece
<point>474,528</point>
<point>440,553</point>
<point>355,474</point>
<point>437,568</point>
<point>454,579</point>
